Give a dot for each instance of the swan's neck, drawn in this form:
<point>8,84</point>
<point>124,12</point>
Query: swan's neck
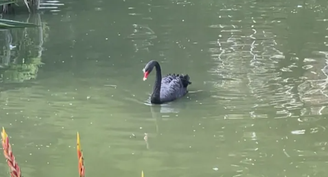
<point>155,97</point>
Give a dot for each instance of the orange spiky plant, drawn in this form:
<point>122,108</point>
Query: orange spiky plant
<point>80,156</point>
<point>7,152</point>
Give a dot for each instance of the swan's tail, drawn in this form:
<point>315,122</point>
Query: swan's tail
<point>185,80</point>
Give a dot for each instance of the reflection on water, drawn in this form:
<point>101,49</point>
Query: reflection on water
<point>22,51</point>
<point>256,107</point>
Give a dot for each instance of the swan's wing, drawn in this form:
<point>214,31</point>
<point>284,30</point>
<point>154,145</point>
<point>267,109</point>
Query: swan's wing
<point>171,88</point>
<point>167,79</point>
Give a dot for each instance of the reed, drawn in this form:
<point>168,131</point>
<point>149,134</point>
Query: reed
<point>8,153</point>
<point>80,156</point>
<point>14,168</point>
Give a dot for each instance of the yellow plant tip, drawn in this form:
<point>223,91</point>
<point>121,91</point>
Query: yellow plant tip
<point>4,134</point>
<point>78,138</point>
<point>142,173</point>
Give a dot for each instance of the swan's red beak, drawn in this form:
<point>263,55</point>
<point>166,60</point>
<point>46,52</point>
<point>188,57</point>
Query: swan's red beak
<point>145,75</point>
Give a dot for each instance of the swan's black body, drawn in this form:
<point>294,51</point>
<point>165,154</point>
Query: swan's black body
<point>168,88</point>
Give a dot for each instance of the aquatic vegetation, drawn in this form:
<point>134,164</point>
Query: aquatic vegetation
<point>80,156</point>
<point>8,24</point>
<point>30,4</point>
<point>19,60</point>
<point>22,49</point>
<point>15,169</point>
<point>8,153</point>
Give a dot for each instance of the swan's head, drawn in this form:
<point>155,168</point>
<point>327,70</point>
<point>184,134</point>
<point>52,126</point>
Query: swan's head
<point>148,68</point>
<point>146,73</point>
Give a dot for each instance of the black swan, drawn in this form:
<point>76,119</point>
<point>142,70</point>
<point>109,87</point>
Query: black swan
<point>168,88</point>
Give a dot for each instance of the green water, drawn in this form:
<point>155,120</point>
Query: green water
<point>256,105</point>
